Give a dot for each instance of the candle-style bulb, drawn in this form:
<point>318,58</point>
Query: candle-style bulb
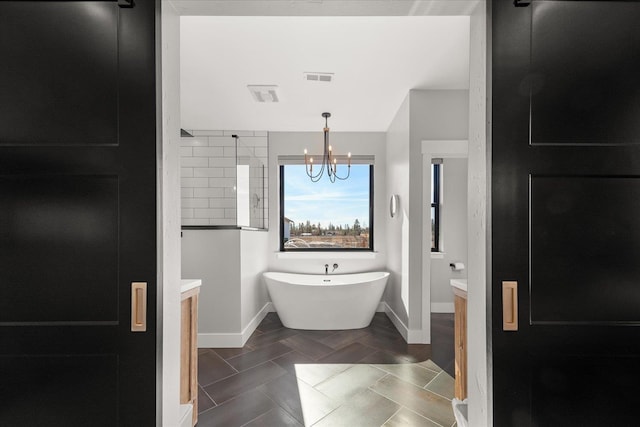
<point>305,151</point>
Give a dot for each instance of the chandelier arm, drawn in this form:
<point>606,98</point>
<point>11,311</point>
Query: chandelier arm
<point>344,178</point>
<point>316,177</point>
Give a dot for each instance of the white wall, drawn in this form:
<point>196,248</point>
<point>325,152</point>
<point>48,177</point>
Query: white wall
<point>434,115</point>
<point>478,362</point>
<point>361,143</point>
<point>254,261</point>
<point>233,297</point>
<point>214,257</point>
<point>453,234</point>
<point>424,115</point>
<point>397,149</point>
<point>169,222</point>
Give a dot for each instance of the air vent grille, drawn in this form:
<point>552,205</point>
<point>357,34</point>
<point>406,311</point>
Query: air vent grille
<point>318,77</point>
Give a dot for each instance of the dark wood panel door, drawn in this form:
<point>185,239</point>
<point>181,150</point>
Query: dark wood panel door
<point>566,211</point>
<point>77,212</point>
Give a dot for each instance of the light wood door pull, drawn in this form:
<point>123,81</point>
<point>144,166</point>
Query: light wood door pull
<point>138,306</point>
<point>509,306</point>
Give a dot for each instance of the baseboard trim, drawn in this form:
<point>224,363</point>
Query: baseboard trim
<point>442,307</point>
<point>411,336</point>
<point>237,340</point>
<point>400,326</point>
<point>255,322</point>
<point>417,336</point>
<point>234,340</point>
<point>219,340</point>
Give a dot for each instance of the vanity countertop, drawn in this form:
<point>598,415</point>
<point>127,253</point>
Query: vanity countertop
<point>460,284</point>
<point>188,284</point>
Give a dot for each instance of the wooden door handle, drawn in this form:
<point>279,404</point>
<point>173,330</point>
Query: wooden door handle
<point>509,306</point>
<point>138,306</point>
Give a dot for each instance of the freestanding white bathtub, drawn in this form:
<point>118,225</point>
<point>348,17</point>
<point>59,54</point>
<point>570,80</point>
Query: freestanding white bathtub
<point>325,302</point>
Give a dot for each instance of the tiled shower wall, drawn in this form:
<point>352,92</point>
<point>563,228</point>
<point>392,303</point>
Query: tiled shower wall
<point>208,174</point>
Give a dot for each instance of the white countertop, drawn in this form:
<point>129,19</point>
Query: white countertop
<point>459,283</point>
<point>188,284</point>
<point>186,415</point>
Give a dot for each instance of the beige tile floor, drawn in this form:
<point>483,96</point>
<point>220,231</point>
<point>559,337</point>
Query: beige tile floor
<point>367,377</point>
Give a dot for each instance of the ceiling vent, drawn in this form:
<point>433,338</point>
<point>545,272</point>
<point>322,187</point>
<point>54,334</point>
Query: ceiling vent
<point>264,93</point>
<point>318,77</point>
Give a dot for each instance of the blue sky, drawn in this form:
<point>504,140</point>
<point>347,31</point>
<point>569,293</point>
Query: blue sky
<point>339,203</point>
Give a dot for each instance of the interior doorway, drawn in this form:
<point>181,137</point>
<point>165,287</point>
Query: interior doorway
<point>171,18</point>
<point>445,167</point>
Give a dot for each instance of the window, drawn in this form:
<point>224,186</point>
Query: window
<point>436,175</point>
<point>325,216</point>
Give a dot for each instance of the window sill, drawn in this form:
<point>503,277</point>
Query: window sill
<point>327,255</point>
<point>437,255</point>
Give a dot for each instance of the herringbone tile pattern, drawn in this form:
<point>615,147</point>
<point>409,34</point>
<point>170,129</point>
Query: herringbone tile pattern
<point>284,377</point>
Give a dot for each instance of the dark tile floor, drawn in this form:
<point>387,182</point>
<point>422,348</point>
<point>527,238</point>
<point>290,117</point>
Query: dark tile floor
<point>442,339</point>
<point>363,377</point>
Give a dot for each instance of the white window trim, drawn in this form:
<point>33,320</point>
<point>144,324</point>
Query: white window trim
<point>327,255</point>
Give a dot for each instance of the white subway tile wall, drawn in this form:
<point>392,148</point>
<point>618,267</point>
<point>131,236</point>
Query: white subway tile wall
<point>209,177</point>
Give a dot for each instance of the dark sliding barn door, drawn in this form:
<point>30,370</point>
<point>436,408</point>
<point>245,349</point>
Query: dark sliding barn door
<point>77,213</point>
<point>566,212</point>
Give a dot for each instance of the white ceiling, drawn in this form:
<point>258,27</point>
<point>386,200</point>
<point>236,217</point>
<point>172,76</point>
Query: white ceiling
<point>376,60</point>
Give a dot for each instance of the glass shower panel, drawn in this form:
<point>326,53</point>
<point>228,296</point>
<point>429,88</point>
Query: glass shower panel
<point>250,172</point>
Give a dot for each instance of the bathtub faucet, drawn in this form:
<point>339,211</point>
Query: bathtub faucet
<point>326,269</point>
<point>334,267</point>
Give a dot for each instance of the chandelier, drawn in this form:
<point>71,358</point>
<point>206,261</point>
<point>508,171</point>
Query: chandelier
<point>329,160</point>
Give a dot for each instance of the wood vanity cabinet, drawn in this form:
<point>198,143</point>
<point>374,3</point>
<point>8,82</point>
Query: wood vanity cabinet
<point>189,350</point>
<point>460,339</point>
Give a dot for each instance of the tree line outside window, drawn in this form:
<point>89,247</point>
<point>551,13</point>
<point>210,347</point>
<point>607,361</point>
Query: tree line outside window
<point>354,229</point>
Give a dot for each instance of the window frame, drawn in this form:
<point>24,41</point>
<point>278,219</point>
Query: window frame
<point>436,205</point>
<point>281,177</point>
